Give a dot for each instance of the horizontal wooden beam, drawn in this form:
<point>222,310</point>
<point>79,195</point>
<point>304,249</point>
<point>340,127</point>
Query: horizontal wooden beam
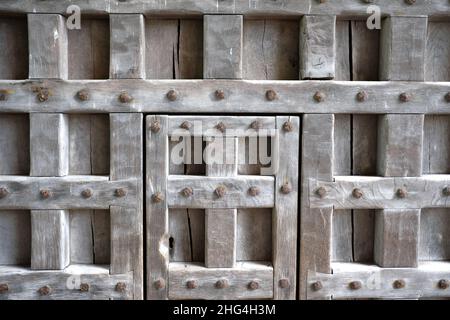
<point>76,282</point>
<point>349,8</point>
<point>236,192</point>
<point>72,192</point>
<point>240,96</point>
<point>376,282</point>
<point>358,192</point>
<point>248,280</point>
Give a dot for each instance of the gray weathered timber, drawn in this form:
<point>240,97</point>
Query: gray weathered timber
<point>438,49</point>
<point>24,284</point>
<point>402,48</point>
<point>15,237</point>
<point>284,215</point>
<point>14,56</point>
<point>47,37</point>
<point>127,47</point>
<point>238,280</point>
<point>317,47</point>
<point>222,46</point>
<point>293,8</point>
<point>15,133</point>
<point>220,224</point>
<point>66,192</point>
<point>126,162</point>
<point>396,238</point>
<point>49,144</point>
<point>236,194</point>
<point>197,96</point>
<point>400,145</point>
<point>50,239</point>
<point>157,170</point>
<point>315,224</point>
<point>434,242</point>
<point>379,192</point>
<point>378,282</point>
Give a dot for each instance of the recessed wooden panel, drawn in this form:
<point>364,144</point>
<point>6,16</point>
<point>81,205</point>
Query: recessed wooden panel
<point>14,48</point>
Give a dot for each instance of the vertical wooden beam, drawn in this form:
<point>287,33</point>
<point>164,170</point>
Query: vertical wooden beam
<point>50,239</point>
<point>317,47</point>
<point>315,224</point>
<point>220,224</point>
<point>222,48</point>
<point>157,157</point>
<point>403,45</point>
<point>49,144</point>
<point>284,216</point>
<point>47,45</point>
<point>127,55</point>
<point>127,222</point>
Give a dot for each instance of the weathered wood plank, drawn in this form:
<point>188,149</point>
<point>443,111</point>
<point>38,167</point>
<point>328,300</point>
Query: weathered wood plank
<point>127,221</point>
<point>14,56</point>
<point>47,46</point>
<point>379,282</point>
<point>127,47</point>
<point>198,96</point>
<point>15,237</point>
<point>49,144</point>
<point>402,48</point>
<point>438,49</point>
<point>24,284</point>
<point>434,242</point>
<point>315,224</point>
<point>238,279</point>
<point>317,47</point>
<point>50,239</point>
<point>222,46</point>
<point>15,144</point>
<point>236,193</point>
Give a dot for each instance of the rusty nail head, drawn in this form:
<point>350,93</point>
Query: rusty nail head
<point>4,287</point>
<point>447,97</point>
<point>185,125</point>
<point>362,96</point>
<point>221,127</point>
<point>155,126</point>
<point>86,193</point>
<point>43,95</point>
<point>284,283</point>
<point>399,284</point>
<point>443,284</point>
<point>319,96</point>
<point>3,192</point>
<point>121,287</point>
<point>220,191</point>
<point>83,94</point>
<point>125,97</point>
<point>191,284</point>
<point>3,97</point>
<point>120,192</point>
<point>401,193</point>
<point>316,286</point>
<point>410,1</point>
<point>253,191</point>
<point>45,290</point>
<point>253,285</point>
<point>187,192</point>
<point>220,94</point>
<point>157,197</point>
<point>271,95</point>
<point>256,125</point>
<point>84,287</point>
<point>172,95</point>
<point>222,284</point>
<point>357,193</point>
<point>355,285</point>
<point>321,192</point>
<point>160,284</point>
<point>45,193</point>
<point>405,97</point>
<point>446,191</point>
<point>286,188</point>
<point>288,126</point>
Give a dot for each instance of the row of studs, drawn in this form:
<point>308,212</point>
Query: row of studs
<point>357,193</point>
<point>47,290</point>
<point>221,284</point>
<point>47,193</point>
<point>397,284</point>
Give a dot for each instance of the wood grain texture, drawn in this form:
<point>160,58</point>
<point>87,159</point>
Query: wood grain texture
<point>434,242</point>
<point>15,143</point>
<point>222,46</point>
<point>317,47</point>
<point>15,237</point>
<point>238,281</point>
<point>402,48</point>
<point>127,46</point>
<point>14,56</point>
<point>254,235</point>
<point>438,49</point>
<point>24,283</point>
<point>47,46</point>
<point>315,224</point>
<point>50,239</point>
<point>197,96</point>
